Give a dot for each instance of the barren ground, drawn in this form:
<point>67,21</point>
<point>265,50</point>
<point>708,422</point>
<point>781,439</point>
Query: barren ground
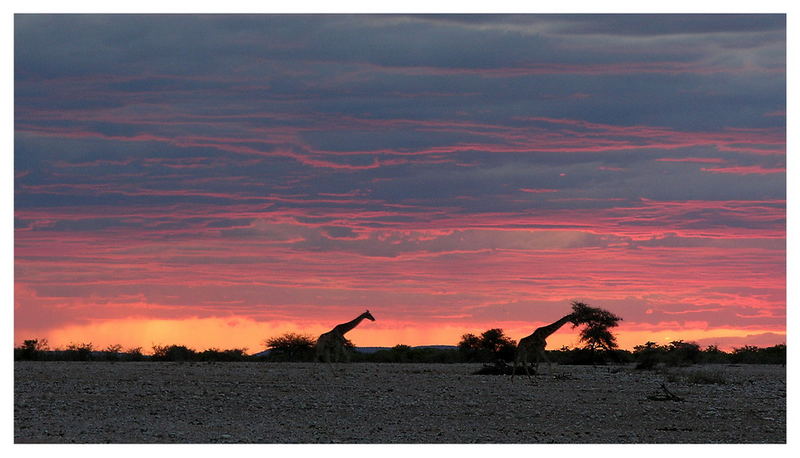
<point>148,402</point>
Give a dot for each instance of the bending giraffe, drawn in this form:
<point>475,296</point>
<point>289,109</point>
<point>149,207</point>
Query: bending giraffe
<point>332,343</point>
<point>534,344</point>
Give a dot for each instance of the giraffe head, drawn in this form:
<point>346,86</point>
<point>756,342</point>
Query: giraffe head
<point>368,316</point>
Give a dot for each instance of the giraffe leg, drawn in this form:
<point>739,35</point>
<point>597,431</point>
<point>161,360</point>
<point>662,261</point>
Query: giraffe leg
<point>521,358</point>
<point>536,363</point>
<point>325,356</point>
<point>514,370</point>
<point>527,369</point>
<point>549,363</point>
<point>328,360</point>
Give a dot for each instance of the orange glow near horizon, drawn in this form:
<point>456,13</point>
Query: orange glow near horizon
<point>243,332</point>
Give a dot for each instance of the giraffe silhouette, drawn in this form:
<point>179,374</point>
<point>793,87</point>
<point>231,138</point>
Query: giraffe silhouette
<point>534,344</point>
<point>331,345</point>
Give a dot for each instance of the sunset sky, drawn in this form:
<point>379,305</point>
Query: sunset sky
<point>213,181</point>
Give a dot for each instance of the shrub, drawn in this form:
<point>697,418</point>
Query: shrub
<point>173,353</point>
<point>754,355</point>
<point>135,354</point>
<point>649,355</point>
<point>492,345</point>
<point>713,355</point>
<point>214,354</point>
<point>677,353</point>
<point>680,353</point>
<point>773,355</point>
<point>293,347</point>
<point>111,353</point>
<point>696,375</point>
<point>707,377</point>
<point>79,352</point>
<point>31,350</point>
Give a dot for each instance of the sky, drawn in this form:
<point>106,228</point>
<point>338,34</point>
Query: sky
<point>213,181</point>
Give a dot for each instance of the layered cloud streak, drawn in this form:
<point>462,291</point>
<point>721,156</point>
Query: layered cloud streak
<point>451,171</point>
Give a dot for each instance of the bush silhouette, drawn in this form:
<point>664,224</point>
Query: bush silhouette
<point>713,355</point>
<point>173,353</point>
<point>293,347</point>
<point>217,355</point>
<point>79,352</point>
<point>648,355</point>
<point>135,354</point>
<point>491,345</point>
<point>680,353</point>
<point>754,355</point>
<point>31,350</point>
<point>773,355</point>
<point>111,352</point>
<point>677,353</point>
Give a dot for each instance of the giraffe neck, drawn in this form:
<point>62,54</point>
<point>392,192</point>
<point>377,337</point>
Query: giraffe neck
<point>545,331</point>
<point>345,327</point>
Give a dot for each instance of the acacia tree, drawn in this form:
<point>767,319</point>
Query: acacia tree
<point>596,334</point>
<point>598,338</point>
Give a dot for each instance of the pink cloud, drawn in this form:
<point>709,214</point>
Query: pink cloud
<point>745,170</point>
<point>692,159</point>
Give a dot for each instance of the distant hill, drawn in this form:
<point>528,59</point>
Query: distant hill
<point>369,350</point>
<point>374,349</point>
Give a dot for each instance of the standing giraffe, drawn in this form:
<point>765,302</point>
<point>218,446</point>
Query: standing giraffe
<point>332,342</point>
<point>534,344</point>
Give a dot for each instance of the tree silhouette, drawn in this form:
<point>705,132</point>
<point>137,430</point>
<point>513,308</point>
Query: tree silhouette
<point>597,334</point>
<point>32,349</point>
<point>491,345</point>
<point>598,338</point>
<point>173,353</point>
<point>294,347</point>
<point>469,342</point>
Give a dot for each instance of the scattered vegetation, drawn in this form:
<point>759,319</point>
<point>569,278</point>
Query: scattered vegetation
<point>700,375</point>
<point>715,376</point>
<point>492,346</point>
<point>677,353</point>
<point>755,355</point>
<point>680,353</point>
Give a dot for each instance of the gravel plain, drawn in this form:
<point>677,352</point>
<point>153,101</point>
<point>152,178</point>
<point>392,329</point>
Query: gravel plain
<point>149,402</point>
